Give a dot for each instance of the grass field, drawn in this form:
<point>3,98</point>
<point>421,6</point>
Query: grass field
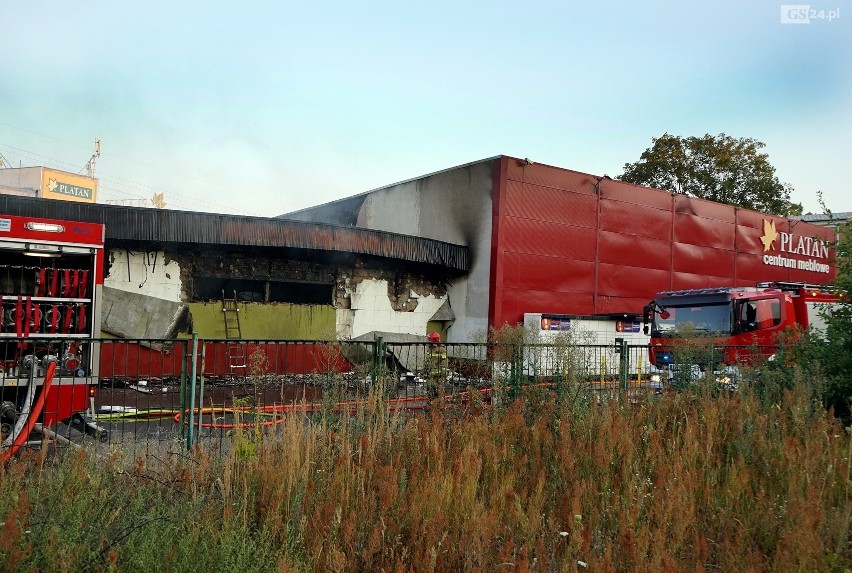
<point>680,482</point>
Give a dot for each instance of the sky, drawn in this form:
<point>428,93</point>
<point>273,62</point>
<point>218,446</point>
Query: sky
<point>267,107</point>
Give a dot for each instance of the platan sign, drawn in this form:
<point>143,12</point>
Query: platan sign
<point>68,187</point>
<point>811,253</point>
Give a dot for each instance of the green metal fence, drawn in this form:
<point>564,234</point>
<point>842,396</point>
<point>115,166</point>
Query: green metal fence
<point>176,394</point>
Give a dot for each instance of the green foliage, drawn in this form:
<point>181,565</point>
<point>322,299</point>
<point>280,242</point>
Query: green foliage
<point>85,514</point>
<point>685,482</point>
<point>719,168</point>
<point>836,348</point>
<point>507,345</point>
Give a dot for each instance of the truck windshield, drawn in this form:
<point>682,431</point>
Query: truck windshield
<point>704,319</point>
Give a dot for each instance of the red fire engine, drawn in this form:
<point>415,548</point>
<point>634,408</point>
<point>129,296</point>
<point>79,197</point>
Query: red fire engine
<point>51,282</point>
<point>740,319</point>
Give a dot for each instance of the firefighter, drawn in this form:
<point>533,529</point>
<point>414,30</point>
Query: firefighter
<point>436,366</point>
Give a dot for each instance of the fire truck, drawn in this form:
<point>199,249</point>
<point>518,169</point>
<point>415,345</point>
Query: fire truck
<point>744,323</point>
<point>51,280</point>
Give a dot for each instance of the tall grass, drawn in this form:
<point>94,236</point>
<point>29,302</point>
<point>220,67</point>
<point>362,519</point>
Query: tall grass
<point>684,482</point>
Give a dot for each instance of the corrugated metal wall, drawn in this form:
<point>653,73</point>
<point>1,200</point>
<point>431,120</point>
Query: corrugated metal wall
<point>573,243</point>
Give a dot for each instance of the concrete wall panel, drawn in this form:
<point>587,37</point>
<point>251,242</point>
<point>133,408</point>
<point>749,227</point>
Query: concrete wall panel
<point>453,206</point>
<point>145,273</point>
<point>372,310</point>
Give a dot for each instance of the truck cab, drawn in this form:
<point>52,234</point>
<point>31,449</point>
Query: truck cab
<point>727,317</point>
<point>743,322</point>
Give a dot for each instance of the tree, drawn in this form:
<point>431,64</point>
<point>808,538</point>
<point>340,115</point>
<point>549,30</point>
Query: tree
<point>837,348</point>
<point>719,168</point>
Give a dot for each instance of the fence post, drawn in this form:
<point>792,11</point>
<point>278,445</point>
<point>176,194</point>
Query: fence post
<point>378,358</point>
<point>624,360</point>
<point>182,417</point>
<point>201,386</point>
<point>517,369</point>
<point>712,366</point>
<point>191,434</point>
<point>560,386</point>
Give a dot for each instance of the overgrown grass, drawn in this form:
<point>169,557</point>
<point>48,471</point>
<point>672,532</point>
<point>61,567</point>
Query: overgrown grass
<point>683,482</point>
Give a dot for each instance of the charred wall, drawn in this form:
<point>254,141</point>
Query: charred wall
<point>265,277</point>
<point>400,286</point>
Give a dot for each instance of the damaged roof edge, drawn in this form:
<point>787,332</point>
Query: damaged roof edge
<point>298,214</point>
<point>188,227</point>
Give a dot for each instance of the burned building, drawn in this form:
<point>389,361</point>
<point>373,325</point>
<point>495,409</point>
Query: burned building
<point>167,272</point>
<point>461,251</point>
<point>551,242</point>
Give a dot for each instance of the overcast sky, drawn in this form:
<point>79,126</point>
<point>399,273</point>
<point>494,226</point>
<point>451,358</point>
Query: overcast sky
<point>263,108</point>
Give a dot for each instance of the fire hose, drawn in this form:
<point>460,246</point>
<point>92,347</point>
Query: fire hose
<point>28,416</point>
<point>278,410</point>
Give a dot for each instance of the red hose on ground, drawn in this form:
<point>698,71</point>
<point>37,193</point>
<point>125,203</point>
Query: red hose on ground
<point>35,412</point>
<point>408,403</point>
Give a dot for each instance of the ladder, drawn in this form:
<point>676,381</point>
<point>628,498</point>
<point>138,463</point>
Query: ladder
<point>233,334</point>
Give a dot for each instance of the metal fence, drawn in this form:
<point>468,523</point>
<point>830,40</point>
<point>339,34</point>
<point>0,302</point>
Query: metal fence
<point>173,394</point>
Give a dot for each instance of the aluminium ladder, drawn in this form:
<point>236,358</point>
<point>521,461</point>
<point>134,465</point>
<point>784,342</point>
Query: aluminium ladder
<point>235,348</point>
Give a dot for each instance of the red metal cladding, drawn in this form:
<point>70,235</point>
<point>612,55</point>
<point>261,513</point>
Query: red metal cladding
<point>558,275</point>
<point>548,176</point>
<point>517,302</point>
<point>619,281</point>
<point>635,194</point>
<point>702,260</point>
<point>695,230</point>
<point>530,236</point>
<point>632,219</point>
<point>132,360</point>
<point>617,304</point>
<point>642,241</point>
<point>510,307</point>
<point>683,204</point>
<point>629,250</point>
<point>754,220</point>
<point>510,269</point>
<point>499,184</point>
<point>684,281</point>
<point>548,204</point>
<point>750,268</point>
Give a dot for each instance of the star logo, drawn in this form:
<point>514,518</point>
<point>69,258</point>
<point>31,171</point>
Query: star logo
<point>769,235</point>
